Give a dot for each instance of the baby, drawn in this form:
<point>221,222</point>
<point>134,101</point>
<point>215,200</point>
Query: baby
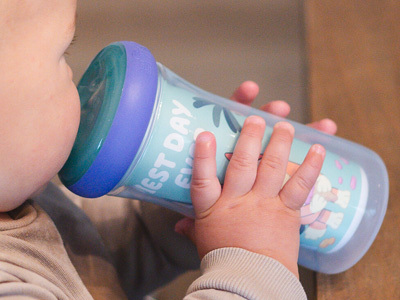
<point>49,247</point>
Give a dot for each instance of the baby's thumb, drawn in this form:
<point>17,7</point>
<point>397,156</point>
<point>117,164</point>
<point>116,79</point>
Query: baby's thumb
<point>185,227</point>
<point>205,186</point>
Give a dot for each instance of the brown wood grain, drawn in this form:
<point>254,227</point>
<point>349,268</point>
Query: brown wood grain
<point>354,78</point>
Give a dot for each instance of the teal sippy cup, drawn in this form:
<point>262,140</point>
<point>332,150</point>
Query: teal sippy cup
<point>136,139</point>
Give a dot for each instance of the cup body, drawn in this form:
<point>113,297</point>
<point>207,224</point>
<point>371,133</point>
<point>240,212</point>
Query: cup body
<point>342,214</point>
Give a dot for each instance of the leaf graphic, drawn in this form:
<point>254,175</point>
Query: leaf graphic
<point>200,102</point>
<point>217,115</point>
<point>232,122</point>
<point>217,110</point>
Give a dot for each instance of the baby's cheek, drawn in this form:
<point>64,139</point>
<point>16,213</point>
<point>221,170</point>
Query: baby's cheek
<point>73,118</point>
<point>55,135</point>
<point>68,128</point>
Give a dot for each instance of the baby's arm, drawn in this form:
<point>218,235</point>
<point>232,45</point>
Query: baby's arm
<point>252,211</point>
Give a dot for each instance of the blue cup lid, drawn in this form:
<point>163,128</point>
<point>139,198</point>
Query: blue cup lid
<point>117,93</point>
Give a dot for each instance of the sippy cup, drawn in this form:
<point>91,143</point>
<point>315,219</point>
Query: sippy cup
<point>136,139</point>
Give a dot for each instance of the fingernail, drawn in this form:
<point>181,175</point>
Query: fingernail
<point>204,137</point>
<point>285,125</point>
<point>255,119</point>
<point>318,149</point>
<point>197,132</point>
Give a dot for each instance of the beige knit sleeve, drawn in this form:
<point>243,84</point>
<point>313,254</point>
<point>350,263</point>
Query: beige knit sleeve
<point>234,273</point>
<point>33,261</point>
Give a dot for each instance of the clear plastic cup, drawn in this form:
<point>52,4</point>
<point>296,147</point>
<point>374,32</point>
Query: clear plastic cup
<point>136,140</point>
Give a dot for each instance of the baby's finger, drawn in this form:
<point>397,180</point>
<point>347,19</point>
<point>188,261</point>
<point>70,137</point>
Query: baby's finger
<point>242,168</point>
<point>296,190</point>
<point>325,125</point>
<point>205,186</point>
<point>246,92</point>
<point>185,227</point>
<point>278,108</point>
<point>272,168</point>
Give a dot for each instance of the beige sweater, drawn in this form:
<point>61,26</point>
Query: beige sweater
<point>120,249</point>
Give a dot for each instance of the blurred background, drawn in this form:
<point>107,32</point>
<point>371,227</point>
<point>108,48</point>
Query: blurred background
<point>215,45</point>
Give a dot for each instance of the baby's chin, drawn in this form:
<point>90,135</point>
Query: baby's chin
<point>8,203</point>
<point>38,191</point>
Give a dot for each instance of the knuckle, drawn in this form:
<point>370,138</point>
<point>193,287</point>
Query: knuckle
<point>304,184</point>
<point>200,157</point>
<point>253,134</point>
<point>200,183</point>
<point>284,137</point>
<point>242,160</point>
<point>272,161</point>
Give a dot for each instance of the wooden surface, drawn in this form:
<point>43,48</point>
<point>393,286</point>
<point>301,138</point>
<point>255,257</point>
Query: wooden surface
<point>354,78</point>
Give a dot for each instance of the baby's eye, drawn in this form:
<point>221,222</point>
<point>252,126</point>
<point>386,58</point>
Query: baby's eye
<point>70,45</point>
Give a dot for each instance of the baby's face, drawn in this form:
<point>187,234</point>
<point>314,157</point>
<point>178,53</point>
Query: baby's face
<point>39,104</point>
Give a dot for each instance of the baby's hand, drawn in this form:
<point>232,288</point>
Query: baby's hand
<point>252,210</point>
